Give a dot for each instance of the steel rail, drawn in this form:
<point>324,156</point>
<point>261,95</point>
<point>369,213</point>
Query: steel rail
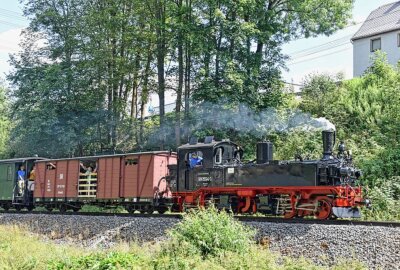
<point>309,221</point>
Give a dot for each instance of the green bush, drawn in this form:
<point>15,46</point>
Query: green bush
<point>384,196</point>
<point>209,232</point>
<point>100,261</point>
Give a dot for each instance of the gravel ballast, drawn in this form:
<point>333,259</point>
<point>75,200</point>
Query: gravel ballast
<point>378,247</point>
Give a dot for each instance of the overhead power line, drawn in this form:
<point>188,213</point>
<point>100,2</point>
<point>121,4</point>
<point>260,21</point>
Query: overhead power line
<point>11,24</point>
<point>329,45</point>
<point>321,46</point>
<point>12,12</point>
<point>12,16</point>
<point>306,60</point>
<point>316,52</point>
<point>332,44</point>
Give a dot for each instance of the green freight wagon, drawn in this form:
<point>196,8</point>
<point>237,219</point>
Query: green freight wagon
<point>14,193</point>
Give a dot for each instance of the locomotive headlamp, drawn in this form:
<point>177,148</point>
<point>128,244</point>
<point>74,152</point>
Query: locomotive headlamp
<point>342,148</point>
<point>368,203</point>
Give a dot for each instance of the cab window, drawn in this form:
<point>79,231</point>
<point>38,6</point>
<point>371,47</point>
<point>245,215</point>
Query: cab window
<point>218,156</point>
<point>194,159</point>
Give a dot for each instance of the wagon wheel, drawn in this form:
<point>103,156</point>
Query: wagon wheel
<point>49,209</point>
<point>149,209</point>
<point>324,210</point>
<point>30,208</point>
<point>63,208</point>
<point>18,208</point>
<point>162,210</point>
<point>130,209</point>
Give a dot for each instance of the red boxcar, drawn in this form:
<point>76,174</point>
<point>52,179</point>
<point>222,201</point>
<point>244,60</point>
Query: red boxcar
<point>132,180</point>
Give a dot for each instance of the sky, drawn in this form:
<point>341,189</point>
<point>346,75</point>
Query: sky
<point>308,56</point>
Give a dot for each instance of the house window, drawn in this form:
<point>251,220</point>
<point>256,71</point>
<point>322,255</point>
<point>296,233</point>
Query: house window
<point>398,40</point>
<point>375,44</point>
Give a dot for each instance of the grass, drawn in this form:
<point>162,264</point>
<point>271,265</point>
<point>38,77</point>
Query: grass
<point>20,249</point>
<point>205,240</point>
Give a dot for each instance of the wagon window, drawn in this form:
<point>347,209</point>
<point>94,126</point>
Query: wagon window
<point>9,173</point>
<point>88,166</point>
<point>50,166</point>
<point>131,161</point>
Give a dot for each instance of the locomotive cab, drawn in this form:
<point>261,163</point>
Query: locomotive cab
<point>201,164</point>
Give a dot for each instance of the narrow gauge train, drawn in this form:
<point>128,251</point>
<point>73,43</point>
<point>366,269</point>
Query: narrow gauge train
<point>157,181</point>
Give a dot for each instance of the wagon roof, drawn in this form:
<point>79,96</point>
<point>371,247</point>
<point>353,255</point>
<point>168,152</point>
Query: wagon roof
<point>15,160</point>
<point>106,156</point>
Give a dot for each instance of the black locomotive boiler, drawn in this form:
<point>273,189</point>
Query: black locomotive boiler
<point>324,188</point>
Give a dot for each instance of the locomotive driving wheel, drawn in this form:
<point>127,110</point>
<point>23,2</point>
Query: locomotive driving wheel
<point>324,209</point>
<point>290,214</point>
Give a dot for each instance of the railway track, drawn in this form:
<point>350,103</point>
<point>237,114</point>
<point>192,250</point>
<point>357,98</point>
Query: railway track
<point>351,222</point>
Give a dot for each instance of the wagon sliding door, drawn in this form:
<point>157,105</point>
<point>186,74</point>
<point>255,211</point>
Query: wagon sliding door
<point>108,182</point>
<point>57,180</point>
<point>67,179</point>
<point>130,183</point>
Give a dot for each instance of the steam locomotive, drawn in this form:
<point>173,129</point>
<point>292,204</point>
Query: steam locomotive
<point>162,180</point>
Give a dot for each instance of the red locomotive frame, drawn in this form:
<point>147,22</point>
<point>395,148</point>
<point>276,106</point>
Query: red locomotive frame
<point>304,201</point>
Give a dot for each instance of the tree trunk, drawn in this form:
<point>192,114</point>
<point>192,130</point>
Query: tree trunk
<point>161,47</point>
<point>178,104</point>
<point>160,31</point>
<point>145,92</point>
<point>188,65</point>
<point>135,85</point>
<point>217,59</point>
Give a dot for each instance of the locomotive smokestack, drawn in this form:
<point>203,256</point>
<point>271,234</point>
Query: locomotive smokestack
<point>328,140</point>
<point>265,152</point>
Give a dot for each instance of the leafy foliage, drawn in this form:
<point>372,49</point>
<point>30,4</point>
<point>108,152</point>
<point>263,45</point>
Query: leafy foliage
<point>5,123</point>
<point>101,261</point>
<point>210,233</point>
<point>82,80</point>
<point>366,112</point>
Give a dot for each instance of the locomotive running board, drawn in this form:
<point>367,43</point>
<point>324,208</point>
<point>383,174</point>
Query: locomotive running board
<point>346,212</point>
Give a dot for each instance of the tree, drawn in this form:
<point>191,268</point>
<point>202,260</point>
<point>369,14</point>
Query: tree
<point>4,124</point>
<point>242,43</point>
<point>366,113</point>
<point>318,87</point>
<point>56,110</point>
<point>87,68</point>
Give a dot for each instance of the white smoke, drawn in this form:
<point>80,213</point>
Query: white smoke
<point>325,124</point>
<point>244,119</point>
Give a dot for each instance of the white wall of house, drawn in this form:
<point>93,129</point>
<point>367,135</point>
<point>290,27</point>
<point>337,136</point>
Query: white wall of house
<point>362,51</point>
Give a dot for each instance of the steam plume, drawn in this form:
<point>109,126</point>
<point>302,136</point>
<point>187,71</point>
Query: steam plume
<point>242,118</point>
